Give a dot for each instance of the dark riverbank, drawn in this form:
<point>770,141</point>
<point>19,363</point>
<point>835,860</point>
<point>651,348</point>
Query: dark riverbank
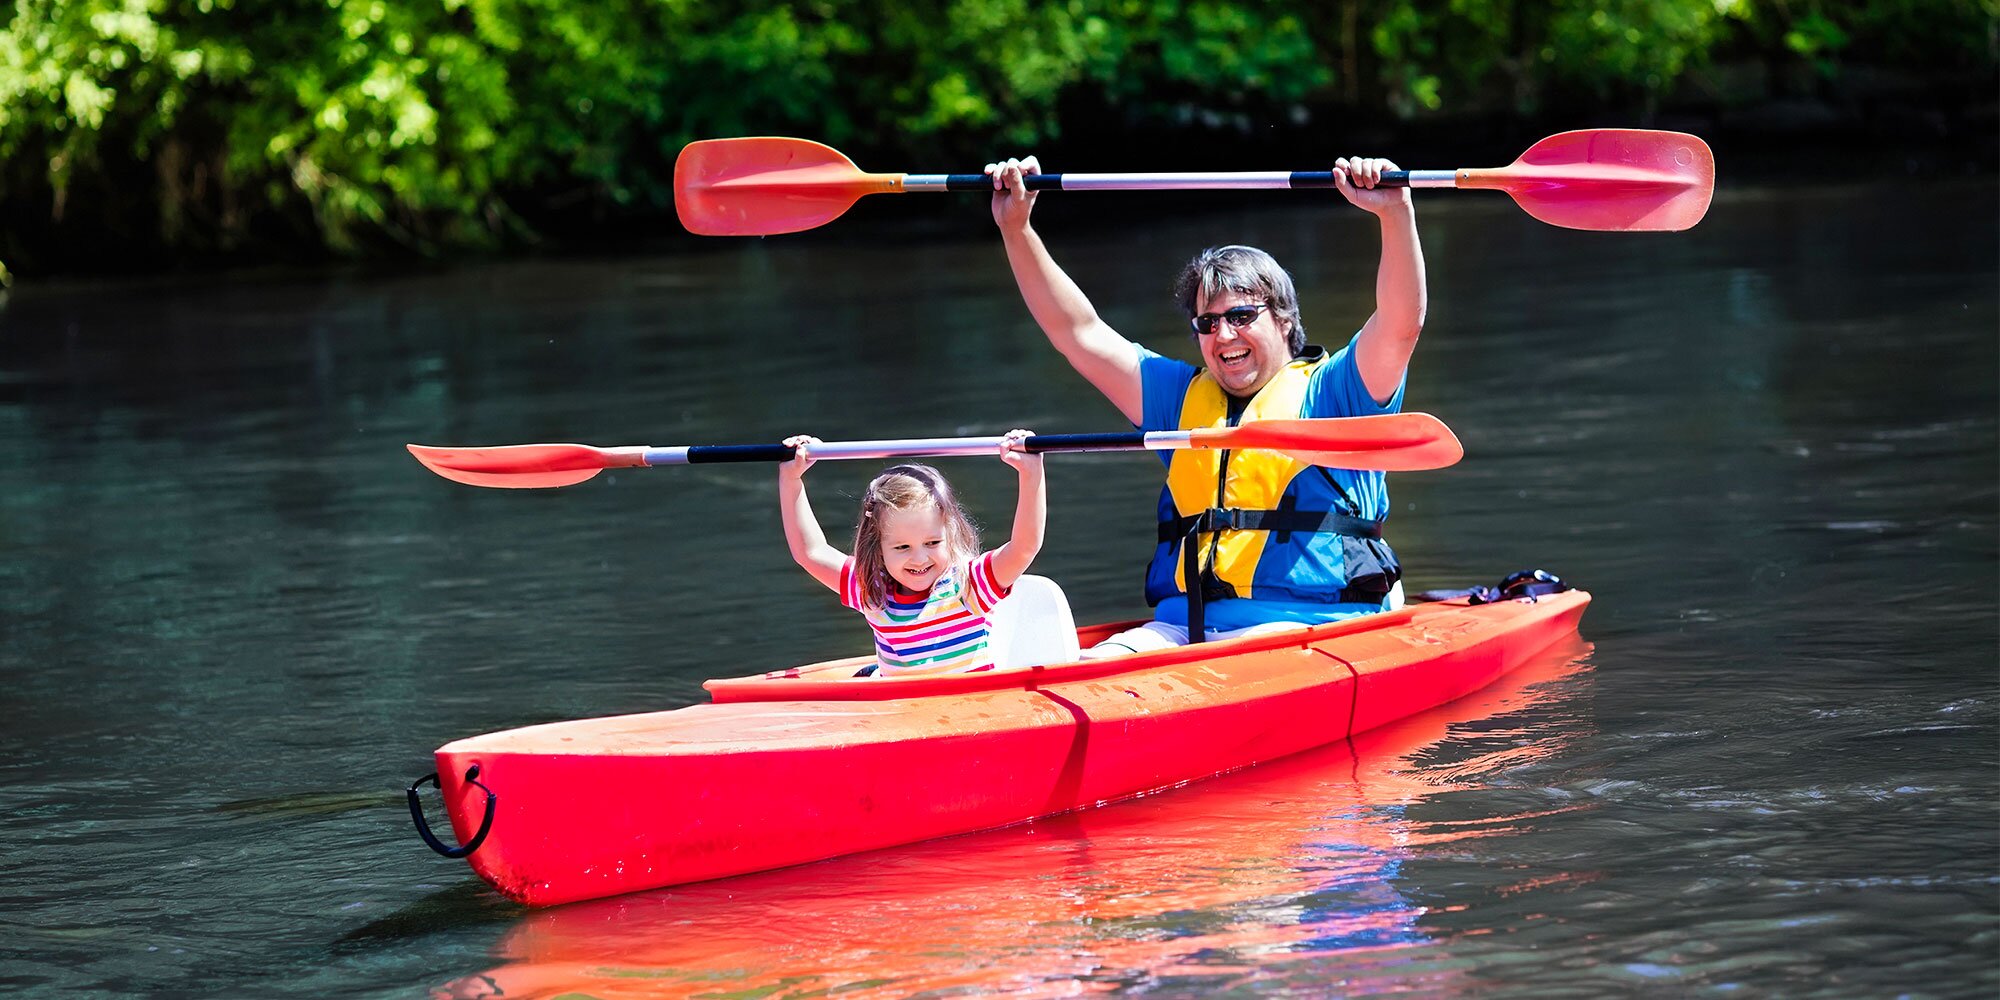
<point>1864,124</point>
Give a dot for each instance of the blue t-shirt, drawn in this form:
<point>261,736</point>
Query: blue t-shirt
<point>1334,389</point>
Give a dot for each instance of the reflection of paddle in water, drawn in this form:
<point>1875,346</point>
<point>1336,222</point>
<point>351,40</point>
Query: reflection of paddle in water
<point>1218,883</point>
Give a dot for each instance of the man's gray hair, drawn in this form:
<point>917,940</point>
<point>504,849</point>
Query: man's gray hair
<point>1246,271</point>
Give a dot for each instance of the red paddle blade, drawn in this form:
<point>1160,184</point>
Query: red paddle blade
<point>520,466</point>
<point>763,185</point>
<point>1394,442</point>
<point>1609,180</point>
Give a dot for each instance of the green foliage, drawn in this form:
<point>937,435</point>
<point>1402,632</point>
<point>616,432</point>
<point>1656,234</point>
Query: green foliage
<point>1620,43</point>
<point>195,125</point>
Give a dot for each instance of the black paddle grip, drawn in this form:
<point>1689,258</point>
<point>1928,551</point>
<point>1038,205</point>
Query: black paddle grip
<point>981,182</point>
<point>1324,179</point>
<point>739,453</point>
<point>1126,441</point>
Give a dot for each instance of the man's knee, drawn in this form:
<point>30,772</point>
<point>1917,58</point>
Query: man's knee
<point>1144,639</point>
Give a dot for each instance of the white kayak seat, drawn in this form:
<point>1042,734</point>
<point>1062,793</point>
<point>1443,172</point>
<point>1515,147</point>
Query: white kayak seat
<point>1032,626</point>
<point>1395,598</point>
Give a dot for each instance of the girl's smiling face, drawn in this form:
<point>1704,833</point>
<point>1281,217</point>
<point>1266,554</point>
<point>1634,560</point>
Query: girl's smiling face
<point>914,550</point>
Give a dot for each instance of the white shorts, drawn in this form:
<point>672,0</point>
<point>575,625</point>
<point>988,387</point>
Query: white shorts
<point>1160,635</point>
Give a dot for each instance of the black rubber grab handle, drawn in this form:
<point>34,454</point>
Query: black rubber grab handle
<point>424,827</point>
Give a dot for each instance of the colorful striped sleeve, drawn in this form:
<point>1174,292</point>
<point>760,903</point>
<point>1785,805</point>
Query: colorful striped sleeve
<point>982,588</point>
<point>850,590</point>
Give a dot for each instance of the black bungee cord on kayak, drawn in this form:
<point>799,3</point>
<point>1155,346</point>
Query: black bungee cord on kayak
<point>1528,583</point>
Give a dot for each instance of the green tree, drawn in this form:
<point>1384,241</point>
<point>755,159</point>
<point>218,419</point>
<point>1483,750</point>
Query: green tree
<point>216,126</point>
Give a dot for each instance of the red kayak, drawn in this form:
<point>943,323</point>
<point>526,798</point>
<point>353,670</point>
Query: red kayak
<point>813,762</point>
<point>1336,826</point>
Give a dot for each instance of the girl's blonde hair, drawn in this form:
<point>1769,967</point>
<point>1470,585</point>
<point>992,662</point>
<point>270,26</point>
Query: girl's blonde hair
<point>904,488</point>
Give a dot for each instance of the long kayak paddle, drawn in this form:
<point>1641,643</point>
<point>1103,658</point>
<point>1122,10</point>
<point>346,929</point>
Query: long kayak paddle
<point>1607,179</point>
<point>1396,442</point>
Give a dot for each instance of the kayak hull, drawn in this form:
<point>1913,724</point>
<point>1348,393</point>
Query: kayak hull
<point>811,763</point>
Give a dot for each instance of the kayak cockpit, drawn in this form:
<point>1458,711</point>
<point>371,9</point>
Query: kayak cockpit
<point>835,680</point>
<point>842,679</point>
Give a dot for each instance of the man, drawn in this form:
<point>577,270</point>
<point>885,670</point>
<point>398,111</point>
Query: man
<point>1266,542</point>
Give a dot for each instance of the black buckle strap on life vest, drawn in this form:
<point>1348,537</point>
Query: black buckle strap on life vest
<point>1191,577</point>
<point>1282,522</point>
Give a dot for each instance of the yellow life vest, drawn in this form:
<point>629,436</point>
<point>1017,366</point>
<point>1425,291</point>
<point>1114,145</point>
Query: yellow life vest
<point>1264,525</point>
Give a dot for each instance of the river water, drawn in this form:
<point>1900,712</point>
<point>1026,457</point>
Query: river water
<point>235,617</point>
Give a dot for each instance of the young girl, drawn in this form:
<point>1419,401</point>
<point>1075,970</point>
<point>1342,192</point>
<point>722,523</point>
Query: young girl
<point>917,573</point>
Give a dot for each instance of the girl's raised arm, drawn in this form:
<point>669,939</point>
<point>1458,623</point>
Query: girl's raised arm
<point>1031,512</point>
<point>802,531</point>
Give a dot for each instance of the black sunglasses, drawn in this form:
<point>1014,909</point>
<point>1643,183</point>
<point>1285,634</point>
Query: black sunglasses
<point>1238,317</point>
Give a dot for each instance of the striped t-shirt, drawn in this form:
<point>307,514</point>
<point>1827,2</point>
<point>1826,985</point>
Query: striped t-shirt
<point>936,632</point>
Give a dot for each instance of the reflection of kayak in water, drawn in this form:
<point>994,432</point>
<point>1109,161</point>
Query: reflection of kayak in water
<point>813,763</point>
<point>1252,876</point>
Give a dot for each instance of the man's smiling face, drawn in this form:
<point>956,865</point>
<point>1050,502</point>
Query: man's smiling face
<point>1244,359</point>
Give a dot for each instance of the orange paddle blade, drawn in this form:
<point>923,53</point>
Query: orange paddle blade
<point>1609,180</point>
<point>1393,442</point>
<point>521,466</point>
<point>762,185</point>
